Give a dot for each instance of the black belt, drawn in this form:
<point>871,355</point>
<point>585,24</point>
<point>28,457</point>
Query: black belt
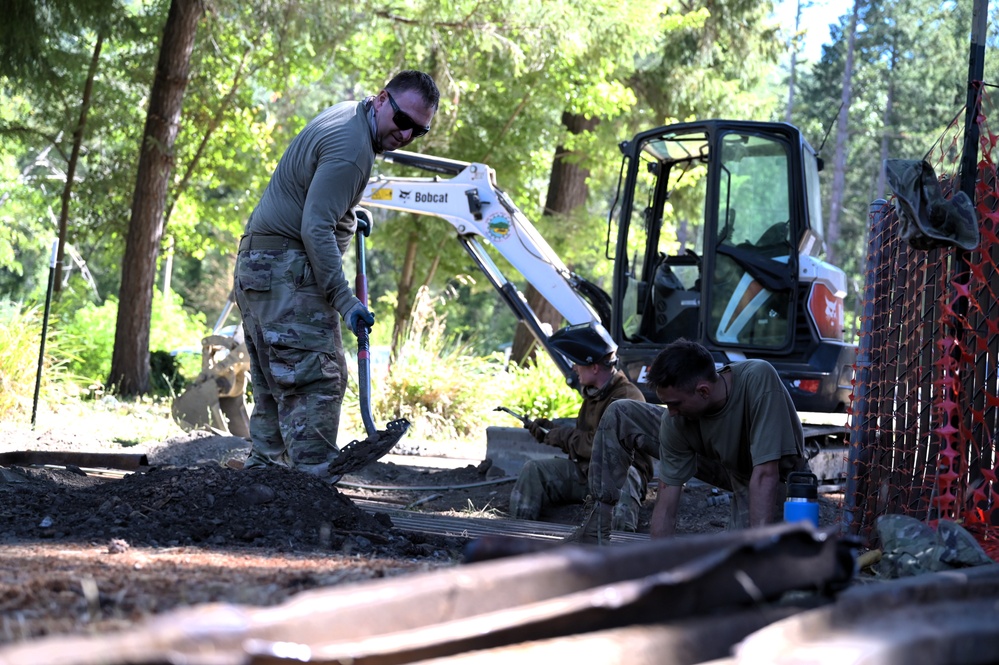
<point>259,241</point>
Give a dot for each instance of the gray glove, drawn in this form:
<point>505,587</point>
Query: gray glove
<point>358,316</point>
<point>364,220</point>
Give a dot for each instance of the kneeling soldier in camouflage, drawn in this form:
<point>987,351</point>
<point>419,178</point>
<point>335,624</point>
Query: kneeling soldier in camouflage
<point>560,480</point>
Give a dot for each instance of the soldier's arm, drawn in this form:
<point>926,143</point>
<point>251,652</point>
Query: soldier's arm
<point>762,492</point>
<point>662,524</point>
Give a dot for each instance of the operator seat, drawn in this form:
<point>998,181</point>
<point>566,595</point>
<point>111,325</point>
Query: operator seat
<point>675,308</point>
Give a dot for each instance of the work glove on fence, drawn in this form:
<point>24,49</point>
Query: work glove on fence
<point>539,428</point>
<point>357,316</point>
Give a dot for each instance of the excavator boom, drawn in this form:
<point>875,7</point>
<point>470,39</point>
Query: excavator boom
<point>483,215</point>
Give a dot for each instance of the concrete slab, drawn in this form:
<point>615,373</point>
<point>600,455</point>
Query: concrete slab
<point>431,461</point>
<point>510,447</point>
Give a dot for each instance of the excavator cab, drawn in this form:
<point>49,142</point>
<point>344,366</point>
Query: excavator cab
<point>718,239</point>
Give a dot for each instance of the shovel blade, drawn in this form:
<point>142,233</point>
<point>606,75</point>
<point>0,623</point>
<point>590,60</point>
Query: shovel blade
<point>358,454</point>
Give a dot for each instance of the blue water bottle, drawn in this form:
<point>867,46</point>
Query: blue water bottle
<point>802,498</point>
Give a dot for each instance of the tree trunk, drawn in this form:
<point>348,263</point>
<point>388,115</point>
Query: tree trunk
<point>842,138</point>
<point>886,124</point>
<point>130,360</point>
<point>793,77</point>
<point>567,190</point>
<point>74,159</point>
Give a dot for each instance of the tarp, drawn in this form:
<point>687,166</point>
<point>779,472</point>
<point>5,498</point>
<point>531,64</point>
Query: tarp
<point>927,219</point>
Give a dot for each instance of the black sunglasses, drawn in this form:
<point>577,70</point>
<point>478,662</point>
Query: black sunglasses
<point>403,121</point>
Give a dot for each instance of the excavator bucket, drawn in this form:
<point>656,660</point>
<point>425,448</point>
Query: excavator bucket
<point>217,397</point>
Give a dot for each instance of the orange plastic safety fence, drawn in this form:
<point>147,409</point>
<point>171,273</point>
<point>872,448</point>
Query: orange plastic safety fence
<point>925,415</point>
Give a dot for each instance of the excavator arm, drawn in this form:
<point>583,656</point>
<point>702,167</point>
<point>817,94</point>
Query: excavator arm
<point>482,214</point>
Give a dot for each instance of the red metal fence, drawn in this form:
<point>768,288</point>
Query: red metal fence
<point>925,415</point>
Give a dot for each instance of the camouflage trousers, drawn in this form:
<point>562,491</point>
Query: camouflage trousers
<point>629,427</point>
<point>558,481</point>
<point>297,364</point>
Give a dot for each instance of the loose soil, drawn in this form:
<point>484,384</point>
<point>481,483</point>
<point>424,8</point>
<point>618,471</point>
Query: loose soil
<point>85,553</point>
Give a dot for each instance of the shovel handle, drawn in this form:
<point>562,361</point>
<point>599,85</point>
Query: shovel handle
<point>364,381</point>
<point>363,343</point>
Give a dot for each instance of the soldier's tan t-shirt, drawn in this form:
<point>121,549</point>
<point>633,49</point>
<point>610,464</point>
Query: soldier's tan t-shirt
<point>757,424</point>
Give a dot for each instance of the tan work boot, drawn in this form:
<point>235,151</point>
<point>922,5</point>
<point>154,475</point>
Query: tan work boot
<point>625,515</point>
<point>596,528</point>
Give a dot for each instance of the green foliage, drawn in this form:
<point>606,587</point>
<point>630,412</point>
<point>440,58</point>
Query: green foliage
<point>508,71</point>
<point>165,374</point>
<point>716,62</point>
<point>538,390</point>
<point>435,384</point>
<point>33,36</point>
<point>90,330</point>
<point>20,336</point>
<point>174,328</point>
<point>909,81</point>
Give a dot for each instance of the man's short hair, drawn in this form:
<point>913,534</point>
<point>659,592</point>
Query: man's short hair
<point>681,364</point>
<point>423,83</point>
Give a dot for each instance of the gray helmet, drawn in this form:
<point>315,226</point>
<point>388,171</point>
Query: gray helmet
<point>584,343</point>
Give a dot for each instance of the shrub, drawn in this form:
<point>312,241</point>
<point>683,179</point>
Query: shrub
<point>174,328</point>
<point>538,390</point>
<point>445,392</point>
<point>90,330</point>
<point>165,376</point>
<point>20,335</point>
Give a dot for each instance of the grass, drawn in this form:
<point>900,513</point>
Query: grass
<point>485,512</point>
<point>107,424</point>
<point>20,333</point>
<point>448,395</point>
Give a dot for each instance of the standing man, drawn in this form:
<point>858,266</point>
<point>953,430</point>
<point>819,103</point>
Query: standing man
<point>289,281</point>
<point>735,428</point>
<point>559,480</point>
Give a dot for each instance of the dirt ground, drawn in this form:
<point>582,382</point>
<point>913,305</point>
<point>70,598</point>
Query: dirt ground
<point>86,554</point>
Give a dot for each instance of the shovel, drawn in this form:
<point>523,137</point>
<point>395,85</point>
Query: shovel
<point>358,454</point>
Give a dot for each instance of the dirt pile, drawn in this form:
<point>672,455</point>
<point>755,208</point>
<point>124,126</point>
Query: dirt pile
<point>206,505</point>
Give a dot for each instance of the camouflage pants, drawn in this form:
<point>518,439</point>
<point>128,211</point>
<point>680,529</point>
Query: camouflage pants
<point>628,427</point>
<point>297,363</point>
<point>558,481</point>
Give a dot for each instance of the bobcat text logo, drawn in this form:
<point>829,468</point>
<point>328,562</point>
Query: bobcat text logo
<point>422,197</point>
